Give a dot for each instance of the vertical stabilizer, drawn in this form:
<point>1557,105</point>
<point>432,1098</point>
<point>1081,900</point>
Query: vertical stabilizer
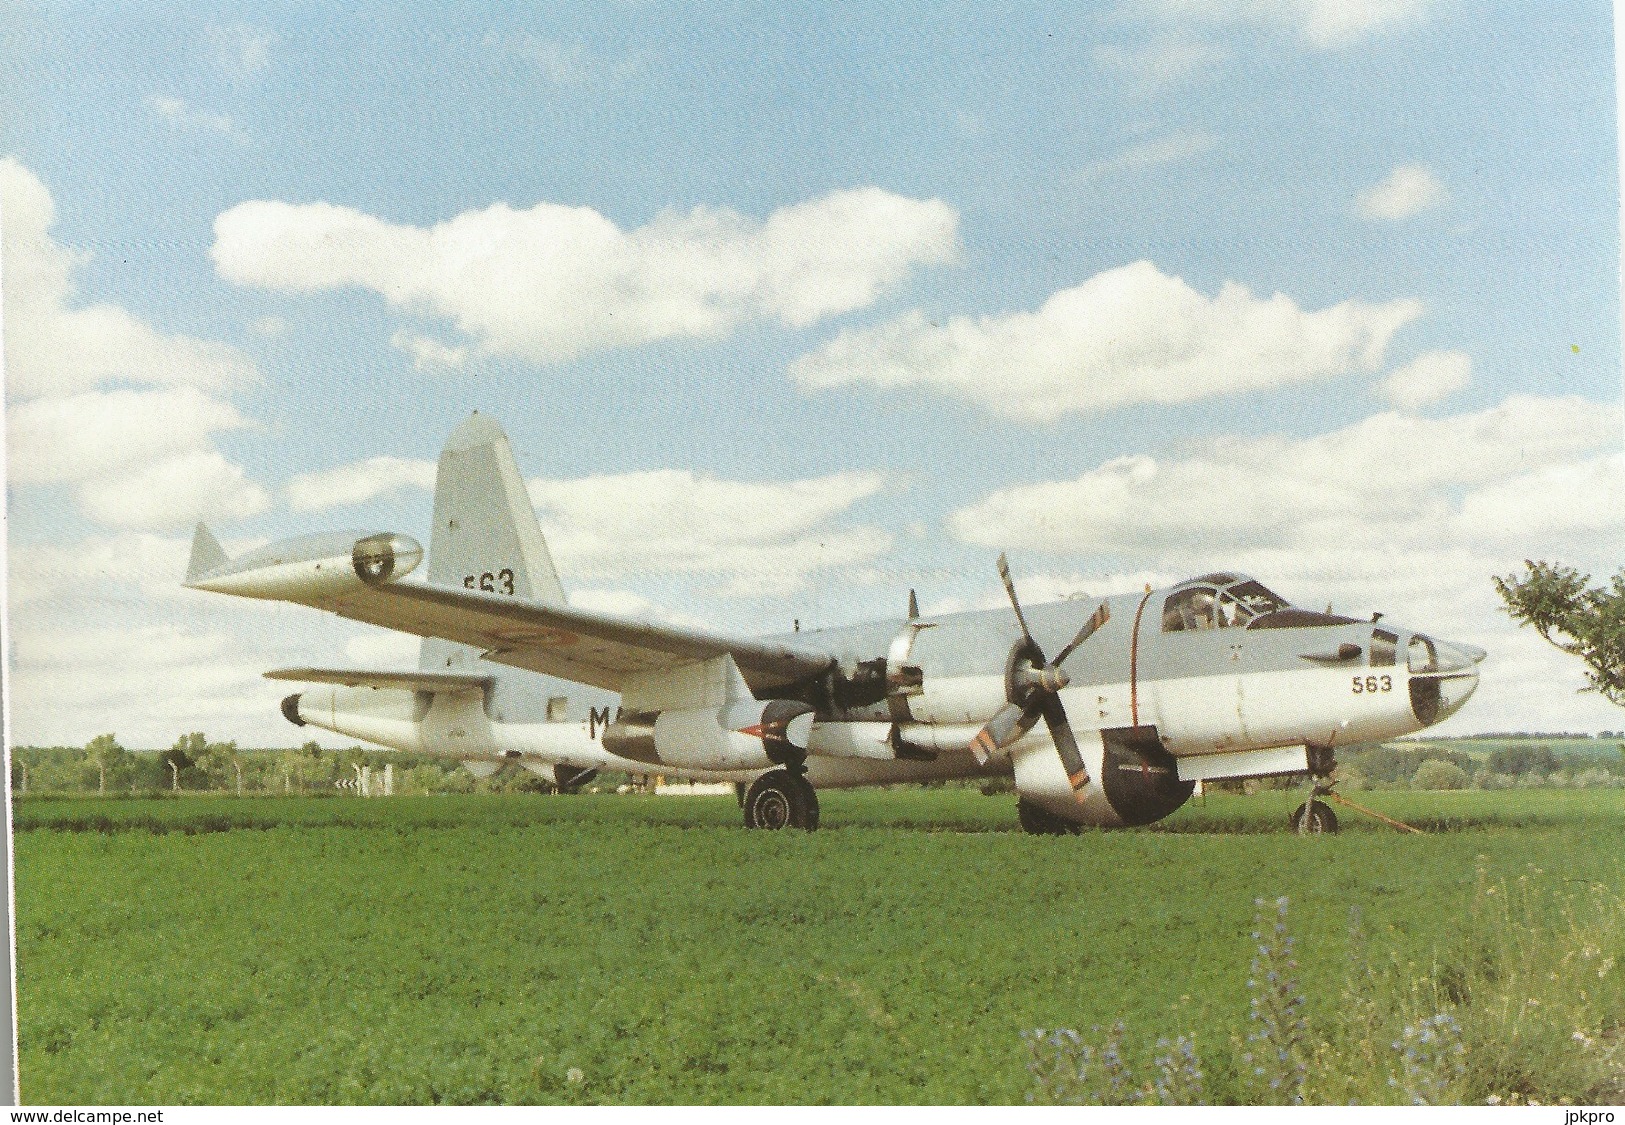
<point>485,532</point>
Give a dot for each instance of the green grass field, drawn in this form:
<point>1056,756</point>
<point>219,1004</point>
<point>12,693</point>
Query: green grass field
<point>486,949</point>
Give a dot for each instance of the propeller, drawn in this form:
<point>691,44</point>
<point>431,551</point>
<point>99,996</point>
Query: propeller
<point>1032,690</point>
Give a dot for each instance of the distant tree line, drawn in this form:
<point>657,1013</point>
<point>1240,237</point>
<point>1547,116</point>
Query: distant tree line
<point>1514,765</point>
<point>195,764</point>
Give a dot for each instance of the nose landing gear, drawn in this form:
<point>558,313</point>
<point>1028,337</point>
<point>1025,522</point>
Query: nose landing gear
<point>1314,817</point>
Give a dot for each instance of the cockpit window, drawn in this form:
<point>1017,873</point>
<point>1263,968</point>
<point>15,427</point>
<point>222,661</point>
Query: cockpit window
<point>1384,648</point>
<point>1203,607</point>
<point>1255,598</point>
<point>1421,655</point>
<point>1189,609</point>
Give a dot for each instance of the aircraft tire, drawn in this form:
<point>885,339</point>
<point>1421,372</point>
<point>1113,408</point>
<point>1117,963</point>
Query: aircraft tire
<point>1313,818</point>
<point>778,799</point>
<point>1038,821</point>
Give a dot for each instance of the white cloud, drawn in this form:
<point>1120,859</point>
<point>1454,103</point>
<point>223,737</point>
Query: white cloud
<point>182,115</point>
<point>1551,504</point>
<point>270,326</point>
<point>1429,378</point>
<point>106,638</point>
<point>54,349</point>
<point>175,492</point>
<point>565,64</point>
<point>1172,148</point>
<point>761,538</point>
<point>242,51</point>
<point>145,566</point>
<point>138,457</point>
<point>378,648</point>
<point>1128,335</point>
<point>1038,587</point>
<point>554,282</point>
<point>764,538</point>
<point>625,603</point>
<point>1323,24</point>
<point>1406,191</point>
<point>427,353</point>
<point>1386,475</point>
<point>357,483</point>
<point>1160,64</point>
<point>94,434</point>
<point>1399,514</point>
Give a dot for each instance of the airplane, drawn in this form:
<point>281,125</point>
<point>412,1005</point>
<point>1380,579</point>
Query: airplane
<point>1104,711</point>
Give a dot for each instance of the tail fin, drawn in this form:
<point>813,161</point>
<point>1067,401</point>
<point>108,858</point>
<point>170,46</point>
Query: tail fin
<point>207,554</point>
<point>485,531</point>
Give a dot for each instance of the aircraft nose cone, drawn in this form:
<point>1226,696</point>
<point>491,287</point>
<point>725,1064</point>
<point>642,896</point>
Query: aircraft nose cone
<point>1444,674</point>
<point>1452,657</point>
<point>1454,692</point>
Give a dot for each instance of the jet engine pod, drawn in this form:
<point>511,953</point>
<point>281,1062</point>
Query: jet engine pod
<point>746,735</point>
<point>290,710</point>
<point>379,558</point>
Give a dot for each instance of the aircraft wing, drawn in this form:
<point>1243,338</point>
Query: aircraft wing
<point>360,677</point>
<point>573,644</point>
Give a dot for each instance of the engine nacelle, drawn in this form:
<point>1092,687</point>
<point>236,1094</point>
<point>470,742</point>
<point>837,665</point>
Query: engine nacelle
<point>747,735</point>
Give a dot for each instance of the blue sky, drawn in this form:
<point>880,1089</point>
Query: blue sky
<point>1370,350</point>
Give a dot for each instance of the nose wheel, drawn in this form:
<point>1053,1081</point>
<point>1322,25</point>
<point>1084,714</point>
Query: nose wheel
<point>1313,818</point>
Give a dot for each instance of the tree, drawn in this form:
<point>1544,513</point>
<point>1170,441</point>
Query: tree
<point>220,760</point>
<point>1436,773</point>
<point>104,753</point>
<point>180,757</point>
<point>1521,758</point>
<point>1579,618</point>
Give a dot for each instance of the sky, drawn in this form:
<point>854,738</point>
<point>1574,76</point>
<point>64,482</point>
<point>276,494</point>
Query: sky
<point>788,309</point>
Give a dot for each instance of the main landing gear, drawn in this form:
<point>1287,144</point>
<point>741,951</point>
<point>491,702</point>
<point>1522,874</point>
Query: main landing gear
<point>781,799</point>
<point>1315,817</point>
<point>1038,821</point>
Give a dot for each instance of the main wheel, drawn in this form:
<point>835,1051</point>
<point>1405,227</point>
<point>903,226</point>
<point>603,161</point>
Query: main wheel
<point>1039,821</point>
<point>779,799</point>
<point>1313,818</point>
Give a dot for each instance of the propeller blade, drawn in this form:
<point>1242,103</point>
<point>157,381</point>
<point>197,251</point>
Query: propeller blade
<point>1065,745</point>
<point>1101,615</point>
<point>1008,723</point>
<point>1010,588</point>
<point>913,606</point>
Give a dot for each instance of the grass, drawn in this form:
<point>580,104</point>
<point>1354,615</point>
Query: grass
<point>649,950</point>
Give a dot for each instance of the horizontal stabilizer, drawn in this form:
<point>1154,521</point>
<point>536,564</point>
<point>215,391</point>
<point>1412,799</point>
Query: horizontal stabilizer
<point>360,677</point>
<point>207,554</point>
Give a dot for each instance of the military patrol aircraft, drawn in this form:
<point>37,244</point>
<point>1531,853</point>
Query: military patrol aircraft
<point>1104,711</point>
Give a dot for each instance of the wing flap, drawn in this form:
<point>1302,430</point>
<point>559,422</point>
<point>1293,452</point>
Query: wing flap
<point>573,644</point>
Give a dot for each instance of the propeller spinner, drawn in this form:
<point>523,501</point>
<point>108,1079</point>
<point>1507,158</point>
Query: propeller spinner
<point>1032,689</point>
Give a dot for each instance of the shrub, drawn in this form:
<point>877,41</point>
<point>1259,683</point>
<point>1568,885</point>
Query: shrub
<point>1436,773</point>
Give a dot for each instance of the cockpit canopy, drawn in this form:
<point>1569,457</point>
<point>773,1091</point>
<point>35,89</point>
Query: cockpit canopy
<point>1219,601</point>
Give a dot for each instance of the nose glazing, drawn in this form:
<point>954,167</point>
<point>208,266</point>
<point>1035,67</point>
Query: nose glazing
<point>1443,676</point>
